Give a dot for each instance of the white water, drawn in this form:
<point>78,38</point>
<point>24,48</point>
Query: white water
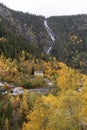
<point>51,34</point>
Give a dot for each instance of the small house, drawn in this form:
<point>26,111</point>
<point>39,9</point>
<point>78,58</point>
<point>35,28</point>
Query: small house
<point>38,73</point>
<point>17,91</point>
<point>10,88</point>
<point>3,92</point>
<point>1,84</point>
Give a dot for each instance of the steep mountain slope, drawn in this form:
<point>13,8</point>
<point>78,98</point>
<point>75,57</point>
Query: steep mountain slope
<point>22,31</point>
<point>71,40</point>
<point>23,28</point>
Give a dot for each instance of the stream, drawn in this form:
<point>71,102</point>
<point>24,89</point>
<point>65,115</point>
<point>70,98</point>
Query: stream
<point>51,34</point>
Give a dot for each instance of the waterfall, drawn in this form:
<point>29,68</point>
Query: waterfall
<point>51,34</point>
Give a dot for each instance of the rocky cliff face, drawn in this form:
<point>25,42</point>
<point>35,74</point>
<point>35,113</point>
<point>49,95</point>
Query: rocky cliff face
<point>29,26</point>
<point>6,13</point>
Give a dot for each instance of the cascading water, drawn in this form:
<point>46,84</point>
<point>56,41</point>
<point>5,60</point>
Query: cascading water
<point>51,34</point>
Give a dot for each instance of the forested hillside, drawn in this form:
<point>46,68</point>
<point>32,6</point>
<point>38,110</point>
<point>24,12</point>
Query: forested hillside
<point>64,107</point>
<point>33,53</point>
<point>71,41</point>
<point>22,31</point>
